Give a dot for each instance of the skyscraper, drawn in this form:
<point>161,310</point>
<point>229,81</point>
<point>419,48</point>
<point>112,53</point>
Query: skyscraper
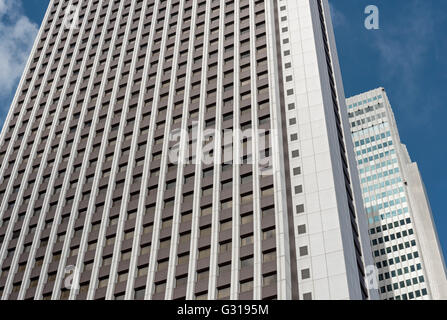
<point>170,149</point>
<point>403,235</point>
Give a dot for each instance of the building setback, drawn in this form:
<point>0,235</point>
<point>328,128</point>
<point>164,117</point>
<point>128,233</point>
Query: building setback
<point>403,235</point>
<point>180,149</point>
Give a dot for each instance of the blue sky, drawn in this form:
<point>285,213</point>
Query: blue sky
<point>405,56</point>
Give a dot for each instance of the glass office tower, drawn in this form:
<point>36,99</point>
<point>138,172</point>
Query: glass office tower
<point>403,235</point>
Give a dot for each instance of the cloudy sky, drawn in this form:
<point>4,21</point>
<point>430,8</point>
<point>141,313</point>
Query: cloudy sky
<point>406,56</point>
<point>17,33</point>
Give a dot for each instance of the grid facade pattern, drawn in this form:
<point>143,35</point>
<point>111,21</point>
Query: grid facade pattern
<point>116,173</point>
<point>86,180</point>
<point>382,161</point>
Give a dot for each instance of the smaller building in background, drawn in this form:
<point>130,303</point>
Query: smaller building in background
<point>403,236</point>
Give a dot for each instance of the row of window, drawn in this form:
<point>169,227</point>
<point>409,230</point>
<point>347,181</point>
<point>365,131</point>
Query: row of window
<point>398,272</point>
<point>384,194</point>
<point>391,237</point>
<point>385,205</point>
<point>377,156</point>
<point>368,120</point>
<point>379,175</point>
<point>397,248</point>
<point>365,101</point>
<point>388,215</point>
<point>374,148</point>
<point>378,166</point>
<point>410,295</point>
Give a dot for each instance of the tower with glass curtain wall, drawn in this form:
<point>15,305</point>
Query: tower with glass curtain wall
<point>403,235</point>
<point>180,149</point>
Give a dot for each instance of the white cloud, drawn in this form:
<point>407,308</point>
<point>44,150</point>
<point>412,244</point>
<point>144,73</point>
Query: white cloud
<point>2,7</point>
<point>404,47</point>
<point>404,44</point>
<point>17,34</point>
<point>338,17</point>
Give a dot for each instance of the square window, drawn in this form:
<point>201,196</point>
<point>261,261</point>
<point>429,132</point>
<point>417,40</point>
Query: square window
<point>302,229</point>
<point>295,153</point>
<point>304,251</point>
<point>305,274</point>
<point>307,296</point>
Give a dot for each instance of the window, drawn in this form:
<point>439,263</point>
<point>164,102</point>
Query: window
<point>203,274</point>
<point>139,294</point>
<point>226,225</point>
<point>269,256</point>
<point>204,253</point>
<point>302,229</point>
<point>268,280</point>
<point>247,218</point>
<point>103,282</point>
<point>160,287</point>
<point>165,243</point>
<point>246,286</point>
<point>304,251</point>
<point>307,296</point>
<point>223,268</point>
<point>126,255</point>
<point>107,261</point>
<point>183,259</point>
<point>305,274</point>
<point>295,154</point>
<point>225,247</point>
<point>298,189</point>
<point>162,265</point>
<point>206,211</point>
<point>88,266</point>
<point>181,281</point>
<point>185,237</point>
<point>123,276</point>
<point>268,234</point>
<point>142,271</point>
<point>205,231</point>
<point>202,296</point>
<point>267,191</point>
<point>247,262</point>
<point>223,292</point>
<point>246,240</point>
<point>128,235</point>
<point>145,249</point>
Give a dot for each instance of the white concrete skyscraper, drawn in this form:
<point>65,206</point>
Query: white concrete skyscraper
<point>403,235</point>
<point>182,149</point>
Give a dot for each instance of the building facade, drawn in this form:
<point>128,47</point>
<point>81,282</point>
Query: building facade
<point>180,149</point>
<point>404,241</point>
